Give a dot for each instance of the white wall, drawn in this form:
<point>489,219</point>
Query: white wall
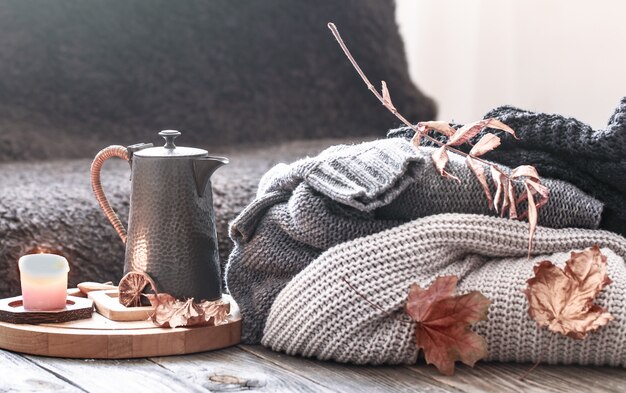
<point>566,57</point>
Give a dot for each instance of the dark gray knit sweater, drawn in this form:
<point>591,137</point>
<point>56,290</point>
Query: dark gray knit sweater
<point>347,192</point>
<point>567,149</point>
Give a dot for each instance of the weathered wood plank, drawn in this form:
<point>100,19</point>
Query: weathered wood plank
<point>504,377</point>
<point>18,374</point>
<point>233,369</point>
<point>350,378</point>
<point>137,375</point>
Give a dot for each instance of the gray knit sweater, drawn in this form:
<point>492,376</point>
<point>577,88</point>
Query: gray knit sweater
<point>347,192</point>
<point>564,148</point>
<point>317,314</point>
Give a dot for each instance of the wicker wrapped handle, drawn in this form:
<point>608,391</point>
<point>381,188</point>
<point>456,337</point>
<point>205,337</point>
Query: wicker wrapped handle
<point>96,166</point>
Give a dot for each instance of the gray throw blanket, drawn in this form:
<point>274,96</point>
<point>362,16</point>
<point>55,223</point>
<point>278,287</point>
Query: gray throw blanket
<point>347,192</point>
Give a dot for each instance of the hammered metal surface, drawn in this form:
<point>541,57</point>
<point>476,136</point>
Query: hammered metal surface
<point>171,230</point>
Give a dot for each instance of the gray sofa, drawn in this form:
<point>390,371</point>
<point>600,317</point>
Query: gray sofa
<point>259,82</point>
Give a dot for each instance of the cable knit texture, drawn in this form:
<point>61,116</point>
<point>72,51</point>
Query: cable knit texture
<point>567,149</point>
<point>316,314</point>
<point>351,191</point>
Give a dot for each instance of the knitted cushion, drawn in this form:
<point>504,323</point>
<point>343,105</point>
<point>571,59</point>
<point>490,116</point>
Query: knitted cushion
<point>567,149</point>
<point>349,191</point>
<point>316,314</point>
<point>80,75</point>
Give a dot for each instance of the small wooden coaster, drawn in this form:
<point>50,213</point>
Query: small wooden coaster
<point>107,304</point>
<point>12,311</point>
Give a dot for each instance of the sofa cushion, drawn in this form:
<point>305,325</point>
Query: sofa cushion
<point>224,72</point>
<point>50,207</point>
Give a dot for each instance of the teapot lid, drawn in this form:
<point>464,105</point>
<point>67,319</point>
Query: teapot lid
<point>170,149</point>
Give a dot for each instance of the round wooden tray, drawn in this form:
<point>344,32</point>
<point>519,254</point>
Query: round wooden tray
<point>102,338</point>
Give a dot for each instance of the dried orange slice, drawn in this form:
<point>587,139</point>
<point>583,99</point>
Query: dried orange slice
<point>131,287</point>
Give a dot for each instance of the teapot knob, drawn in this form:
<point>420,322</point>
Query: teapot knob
<point>169,136</point>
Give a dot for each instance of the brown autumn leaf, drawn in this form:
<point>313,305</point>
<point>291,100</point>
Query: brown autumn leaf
<point>387,97</point>
<point>170,312</point>
<point>479,172</point>
<point>470,130</point>
<point>562,300</point>
<point>443,323</point>
<point>440,159</point>
<point>487,143</point>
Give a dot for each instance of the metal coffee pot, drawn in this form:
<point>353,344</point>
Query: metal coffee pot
<point>171,226</point>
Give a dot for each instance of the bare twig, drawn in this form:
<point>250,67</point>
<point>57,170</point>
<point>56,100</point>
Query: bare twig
<point>371,303</point>
<point>391,108</point>
<point>505,179</point>
<point>538,362</point>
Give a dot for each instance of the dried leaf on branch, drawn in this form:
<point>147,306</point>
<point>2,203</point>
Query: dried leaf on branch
<point>479,172</point>
<point>562,300</point>
<point>387,97</point>
<point>442,127</point>
<point>170,312</point>
<point>505,197</point>
<point>532,186</point>
<point>468,131</point>
<point>487,143</point>
<point>443,323</point>
<point>440,158</point>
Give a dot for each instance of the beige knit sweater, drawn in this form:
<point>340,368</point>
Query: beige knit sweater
<point>316,314</point>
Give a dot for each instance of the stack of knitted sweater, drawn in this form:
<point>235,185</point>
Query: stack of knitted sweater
<point>379,214</point>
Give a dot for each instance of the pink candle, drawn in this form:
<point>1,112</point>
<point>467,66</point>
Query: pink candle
<point>44,281</point>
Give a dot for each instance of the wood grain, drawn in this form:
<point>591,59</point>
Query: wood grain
<point>350,378</point>
<point>107,303</point>
<point>253,368</point>
<point>234,369</point>
<point>19,374</point>
<point>101,338</point>
<point>500,377</point>
<point>110,376</point>
<point>12,311</point>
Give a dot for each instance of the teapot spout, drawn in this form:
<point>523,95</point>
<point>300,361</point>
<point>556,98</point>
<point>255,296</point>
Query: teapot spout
<point>203,168</point>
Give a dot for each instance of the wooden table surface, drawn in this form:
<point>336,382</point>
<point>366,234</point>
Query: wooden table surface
<point>254,368</point>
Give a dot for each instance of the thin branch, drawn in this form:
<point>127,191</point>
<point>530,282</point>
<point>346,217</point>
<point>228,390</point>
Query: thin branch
<point>371,303</point>
<point>421,133</point>
<point>393,110</point>
<point>376,306</point>
<point>538,362</point>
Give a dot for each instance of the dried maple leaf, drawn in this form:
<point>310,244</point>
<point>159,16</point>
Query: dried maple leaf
<point>170,312</point>
<point>440,158</point>
<point>443,323</point>
<point>562,300</point>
